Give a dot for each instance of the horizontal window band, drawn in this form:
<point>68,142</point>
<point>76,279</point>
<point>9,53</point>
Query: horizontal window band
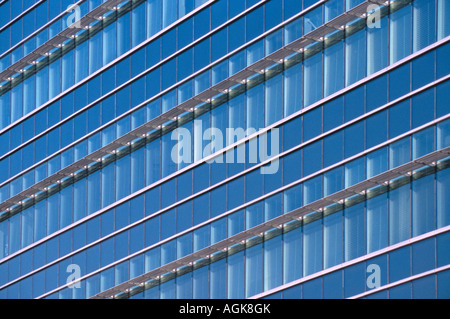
<point>295,215</point>
<point>57,40</point>
<point>137,48</point>
<point>350,191</point>
<point>377,253</point>
<point>24,12</point>
<point>403,281</point>
<point>188,106</point>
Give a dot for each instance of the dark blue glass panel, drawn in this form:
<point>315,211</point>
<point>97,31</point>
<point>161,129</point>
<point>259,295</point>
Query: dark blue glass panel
<point>312,124</point>
<point>399,264</point>
<point>423,256</point>
<point>333,114</point>
<point>399,119</point>
<point>218,13</point>
<point>376,129</point>
<point>354,139</point>
<point>424,288</point>
<point>236,29</point>
<point>312,289</point>
<point>399,81</point>
<point>442,58</point>
<point>376,93</point>
<point>354,280</point>
<point>423,70</point>
<point>332,149</point>
<point>332,286</point>
<point>312,158</point>
<point>422,108</point>
<point>354,104</point>
<point>443,288</point>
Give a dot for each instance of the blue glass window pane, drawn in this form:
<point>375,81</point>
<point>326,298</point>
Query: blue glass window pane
<point>333,114</point>
<point>422,108</point>
<point>354,237</point>
<point>168,224</point>
<point>424,288</point>
<point>312,249</point>
<point>333,149</point>
<point>354,104</point>
<point>354,139</point>
<point>201,23</point>
<point>376,93</point>
<point>332,286</point>
<point>254,26</point>
<point>423,256</point>
<point>312,289</point>
<point>376,129</point>
<point>399,118</point>
<point>235,29</point>
<point>312,158</point>
<point>354,280</point>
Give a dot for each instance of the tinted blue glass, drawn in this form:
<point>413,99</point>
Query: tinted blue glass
<point>399,264</point>
<point>202,54</point>
<point>443,289</point>
<point>399,119</point>
<point>312,289</point>
<point>312,124</point>
<point>424,288</point>
<point>235,29</point>
<point>354,139</point>
<point>253,185</point>
<point>423,256</point>
<point>218,44</point>
<point>422,108</point>
<point>168,224</point>
<point>376,129</point>
<point>235,193</point>
<point>333,114</point>
<point>218,201</point>
<point>423,70</point>
<point>400,292</point>
<point>332,149</point>
<point>312,158</point>
<point>354,104</point>
<point>253,25</point>
<point>354,280</point>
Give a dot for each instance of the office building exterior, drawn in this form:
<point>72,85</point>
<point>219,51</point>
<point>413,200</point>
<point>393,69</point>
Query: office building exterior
<point>224,149</point>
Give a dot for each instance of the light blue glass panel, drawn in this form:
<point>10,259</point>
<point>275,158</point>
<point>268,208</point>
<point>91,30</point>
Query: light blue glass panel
<point>354,57</point>
<point>354,236</point>
<point>443,22</point>
<point>423,205</point>
<point>95,46</point>
<point>153,17</point>
<point>169,14</point>
<point>377,223</point>
<point>312,247</point>
<point>235,275</point>
<point>272,263</point>
<point>255,104</point>
<point>377,46</point>
<point>138,23</point>
<point>292,259</point>
<point>200,283</point>
<point>443,201</point>
<point>333,68</point>
<point>253,270</point>
<point>217,281</point>
<point>274,100</point>
<point>332,240</point>
<point>400,34</point>
<point>123,33</point>
<point>399,214</point>
<point>81,61</point>
<point>292,89</point>
<point>423,23</point>
<point>312,80</point>
<point>109,43</point>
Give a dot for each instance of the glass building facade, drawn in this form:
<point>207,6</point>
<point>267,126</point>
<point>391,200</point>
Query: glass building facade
<point>224,149</point>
